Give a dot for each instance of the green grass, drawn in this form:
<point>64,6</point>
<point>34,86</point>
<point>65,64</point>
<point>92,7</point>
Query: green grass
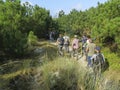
<point>60,72</point>
<point>113,72</point>
<point>113,59</point>
<point>55,73</point>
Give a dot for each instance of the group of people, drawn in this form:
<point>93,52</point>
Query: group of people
<point>89,49</point>
<point>63,41</point>
<point>92,52</point>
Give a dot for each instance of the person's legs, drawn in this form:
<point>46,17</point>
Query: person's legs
<point>73,52</point>
<point>99,70</point>
<point>60,50</point>
<point>67,48</point>
<point>76,51</point>
<point>89,61</point>
<point>82,49</point>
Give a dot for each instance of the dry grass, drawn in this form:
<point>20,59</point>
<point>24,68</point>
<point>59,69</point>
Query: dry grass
<point>54,73</point>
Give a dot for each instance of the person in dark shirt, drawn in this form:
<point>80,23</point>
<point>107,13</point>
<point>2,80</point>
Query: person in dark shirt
<point>60,43</point>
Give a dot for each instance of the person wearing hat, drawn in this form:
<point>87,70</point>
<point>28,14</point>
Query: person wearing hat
<point>98,52</point>
<point>66,42</point>
<point>60,43</point>
<point>97,60</point>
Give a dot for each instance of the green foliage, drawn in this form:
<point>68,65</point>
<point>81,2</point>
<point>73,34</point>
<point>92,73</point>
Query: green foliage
<point>113,59</point>
<point>14,42</point>
<point>52,75</point>
<point>16,21</point>
<point>61,13</point>
<point>32,39</point>
<point>41,21</point>
<point>112,29</point>
<point>60,75</point>
<point>100,22</point>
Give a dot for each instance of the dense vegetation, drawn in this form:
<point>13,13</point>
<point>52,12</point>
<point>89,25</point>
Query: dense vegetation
<point>46,71</point>
<point>101,22</point>
<point>23,25</point>
<point>17,20</point>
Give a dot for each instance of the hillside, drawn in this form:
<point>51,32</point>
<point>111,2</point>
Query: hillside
<point>38,71</point>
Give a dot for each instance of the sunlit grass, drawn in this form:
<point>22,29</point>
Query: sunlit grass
<point>113,59</point>
<point>113,72</point>
<point>57,73</point>
<point>60,73</point>
<point>12,75</point>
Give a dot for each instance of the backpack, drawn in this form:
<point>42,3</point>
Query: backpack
<point>66,41</point>
<point>99,59</point>
<point>61,40</point>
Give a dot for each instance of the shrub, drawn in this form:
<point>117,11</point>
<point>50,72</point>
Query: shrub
<point>14,42</point>
<point>61,74</point>
<point>32,39</point>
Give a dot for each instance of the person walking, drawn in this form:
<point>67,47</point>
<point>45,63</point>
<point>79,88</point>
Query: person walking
<point>84,39</point>
<point>60,43</point>
<point>75,46</point>
<point>90,49</point>
<point>66,42</point>
<point>98,61</point>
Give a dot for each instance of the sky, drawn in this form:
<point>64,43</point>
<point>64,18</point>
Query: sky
<point>66,5</point>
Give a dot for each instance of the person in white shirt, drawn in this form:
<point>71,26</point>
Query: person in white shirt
<point>66,42</point>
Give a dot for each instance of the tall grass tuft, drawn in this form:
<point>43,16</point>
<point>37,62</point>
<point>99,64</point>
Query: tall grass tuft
<point>61,74</point>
